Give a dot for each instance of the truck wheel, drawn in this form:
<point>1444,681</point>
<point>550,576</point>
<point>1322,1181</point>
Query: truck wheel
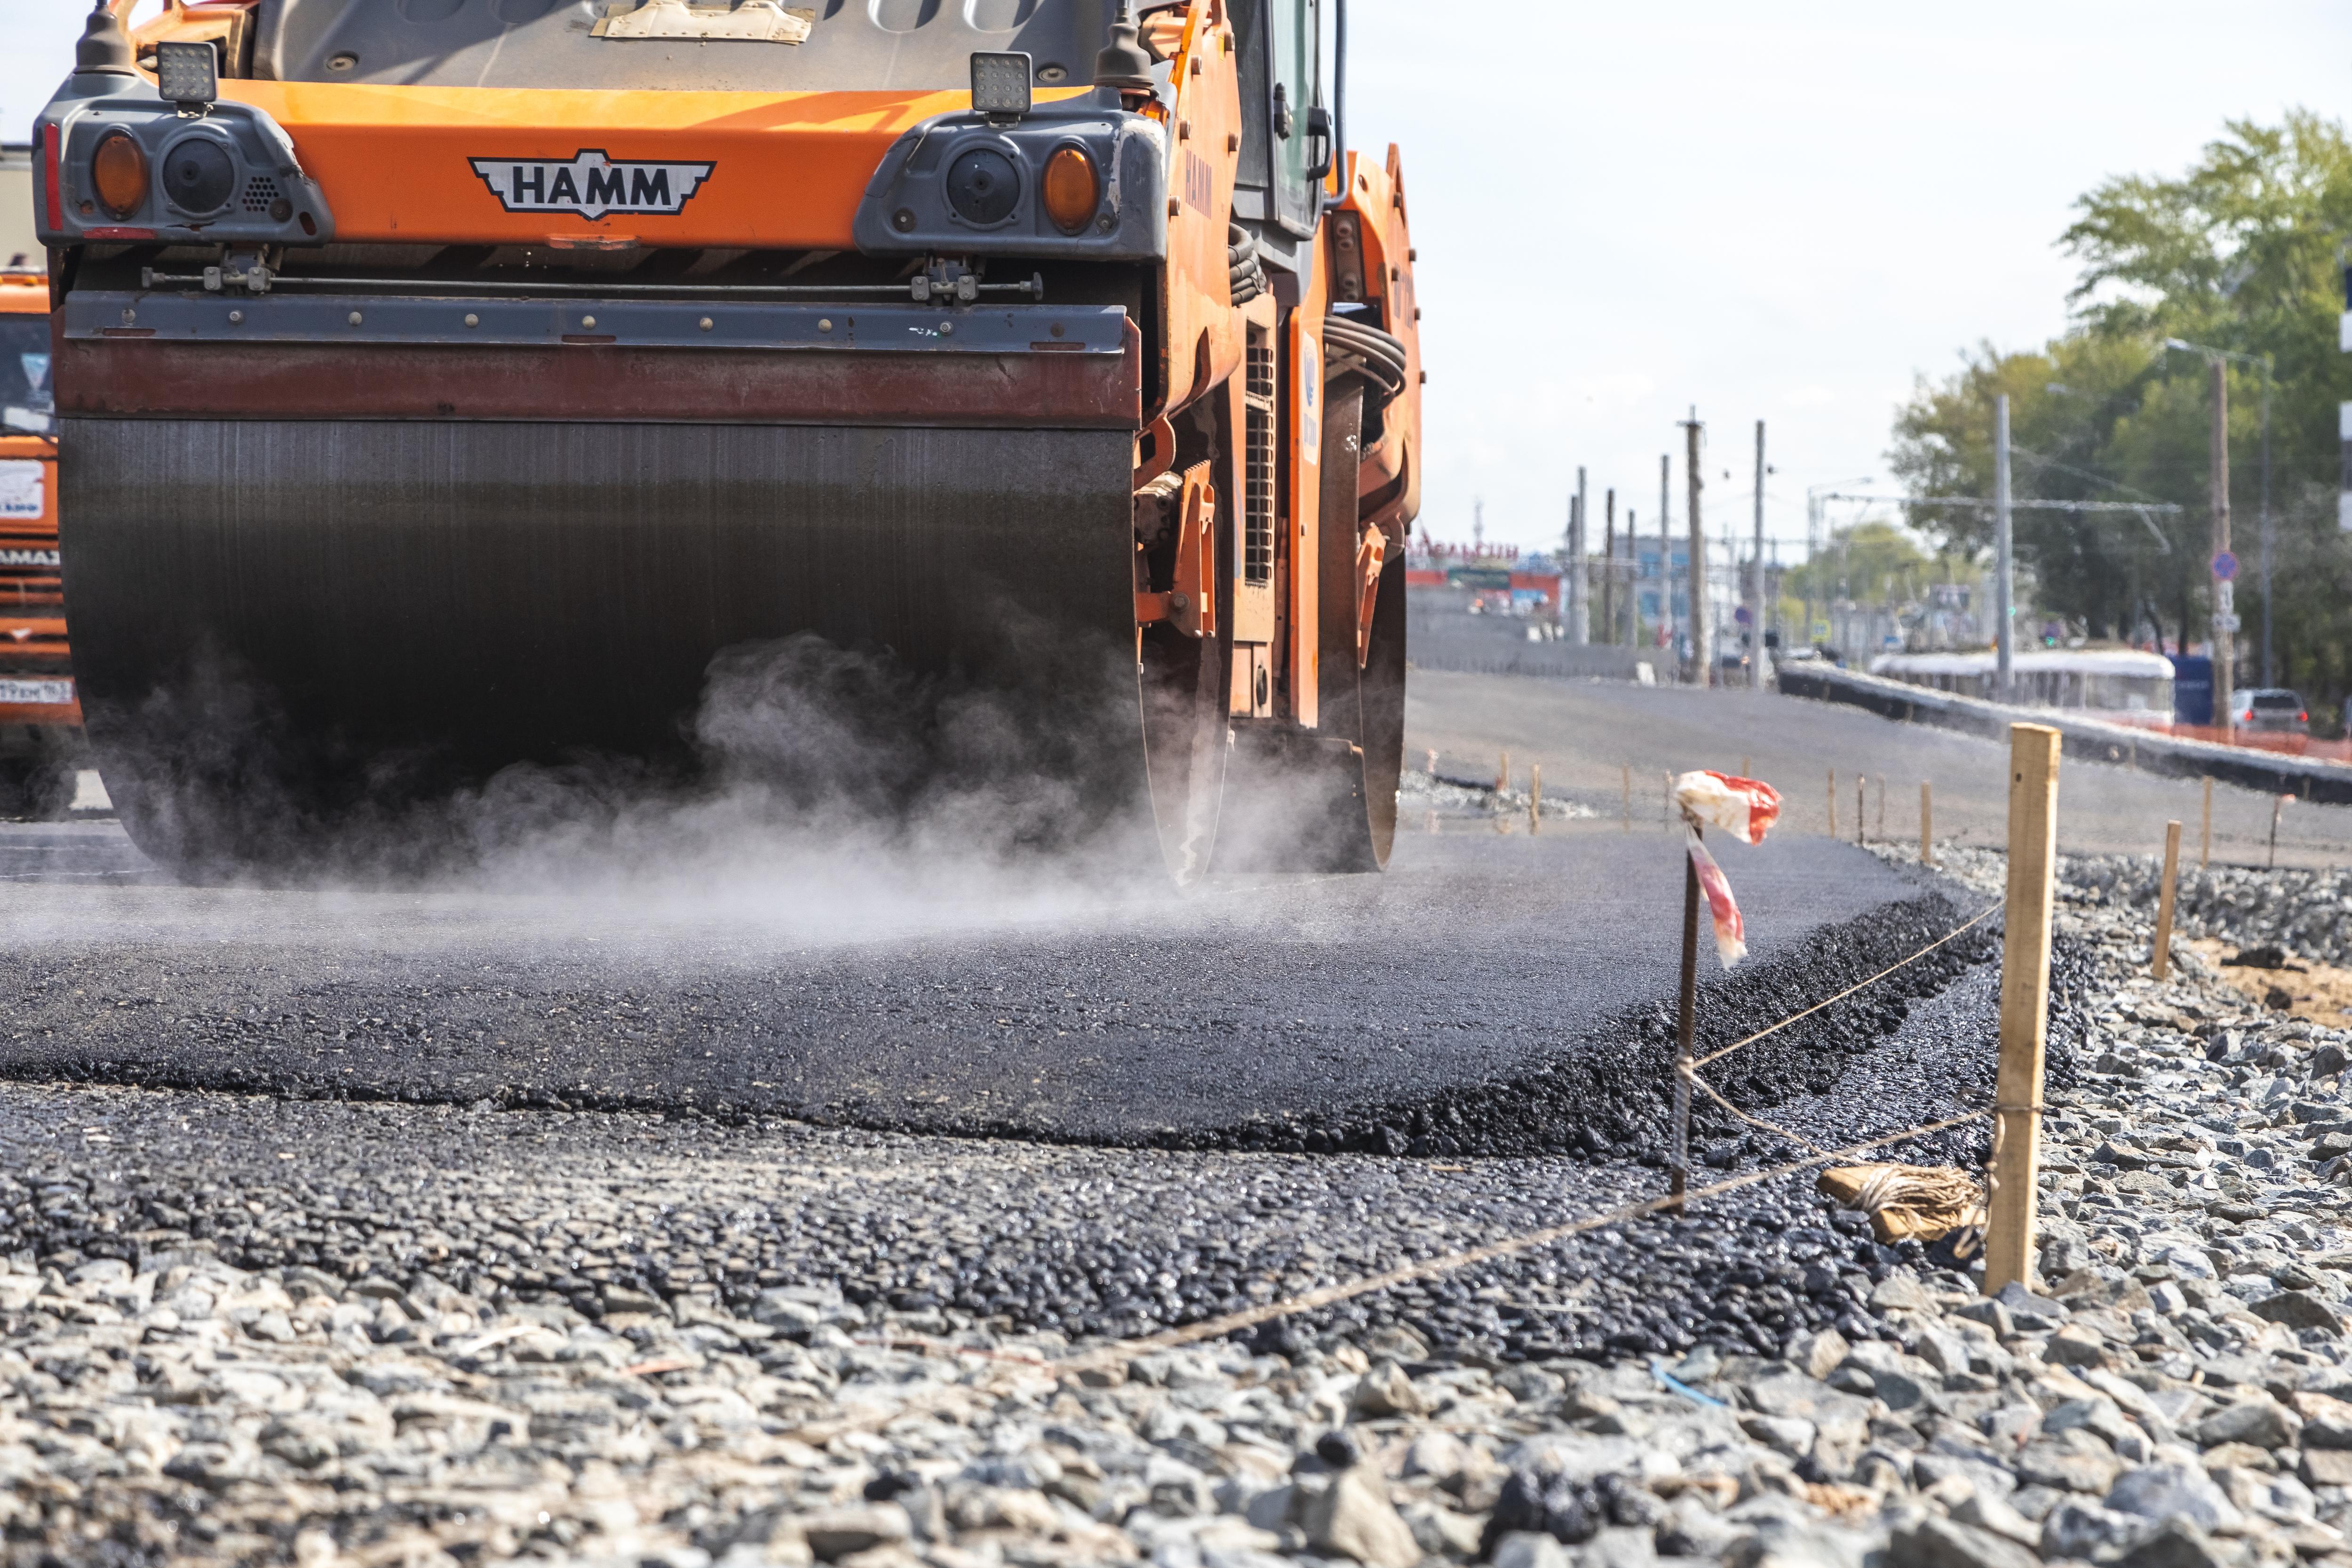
<point>35,789</point>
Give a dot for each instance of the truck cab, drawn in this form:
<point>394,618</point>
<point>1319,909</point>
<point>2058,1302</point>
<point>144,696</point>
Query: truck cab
<point>40,720</point>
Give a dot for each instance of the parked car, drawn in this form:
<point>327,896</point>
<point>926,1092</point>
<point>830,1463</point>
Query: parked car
<point>2270,707</point>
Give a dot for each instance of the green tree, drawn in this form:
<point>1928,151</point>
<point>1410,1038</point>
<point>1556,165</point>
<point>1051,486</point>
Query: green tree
<point>2241,253</point>
<point>1871,562</point>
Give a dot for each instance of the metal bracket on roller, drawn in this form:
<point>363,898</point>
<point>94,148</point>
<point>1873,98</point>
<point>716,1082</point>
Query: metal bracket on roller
<point>1191,605</point>
<point>1371,555</point>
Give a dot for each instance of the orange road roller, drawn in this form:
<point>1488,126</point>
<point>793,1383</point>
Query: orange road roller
<point>449,385</point>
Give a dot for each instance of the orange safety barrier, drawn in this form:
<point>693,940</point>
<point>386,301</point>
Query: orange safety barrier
<point>2263,741</point>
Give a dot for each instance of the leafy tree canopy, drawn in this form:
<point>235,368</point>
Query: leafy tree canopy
<point>1869,561</point>
<point>2239,253</point>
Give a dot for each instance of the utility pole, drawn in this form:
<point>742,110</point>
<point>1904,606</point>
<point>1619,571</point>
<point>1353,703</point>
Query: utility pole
<point>1756,603</point>
<point>1702,664</point>
<point>1633,606</point>
<point>2269,674</point>
<point>1608,566</point>
<point>2225,607</point>
<point>1579,614</point>
<point>1567,553</point>
<point>1666,554</point>
<point>2004,582</point>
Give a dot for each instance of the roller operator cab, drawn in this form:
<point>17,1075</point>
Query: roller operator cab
<point>444,385</point>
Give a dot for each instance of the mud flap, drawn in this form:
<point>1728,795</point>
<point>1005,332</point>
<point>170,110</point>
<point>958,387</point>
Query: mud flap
<point>1294,801</point>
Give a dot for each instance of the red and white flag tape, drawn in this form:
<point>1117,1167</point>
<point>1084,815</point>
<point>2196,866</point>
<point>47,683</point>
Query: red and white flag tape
<point>1744,809</point>
<point>1730,936</point>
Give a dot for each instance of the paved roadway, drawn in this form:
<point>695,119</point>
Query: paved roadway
<point>415,1060</point>
<point>1252,1010</point>
<point>1583,732</point>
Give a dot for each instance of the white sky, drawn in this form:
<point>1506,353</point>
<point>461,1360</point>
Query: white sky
<point>1782,213</point>
<point>1775,212</point>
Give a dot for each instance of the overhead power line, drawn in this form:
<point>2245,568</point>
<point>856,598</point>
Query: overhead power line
<point>2163,506</point>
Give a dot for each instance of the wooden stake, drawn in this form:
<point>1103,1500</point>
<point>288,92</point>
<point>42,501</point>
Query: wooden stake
<point>2160,963</point>
<point>1685,1030</point>
<point>1832,803</point>
<point>1433,762</point>
<point>1861,782</point>
<point>1503,774</point>
<point>2278,804</point>
<point>1882,808</point>
<point>2024,1003</point>
<point>1926,823</point>
<point>2205,839</point>
<point>1747,767</point>
<point>1534,797</point>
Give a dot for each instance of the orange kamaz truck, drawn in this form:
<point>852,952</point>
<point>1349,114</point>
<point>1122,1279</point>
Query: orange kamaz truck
<point>444,385</point>
<point>41,722</point>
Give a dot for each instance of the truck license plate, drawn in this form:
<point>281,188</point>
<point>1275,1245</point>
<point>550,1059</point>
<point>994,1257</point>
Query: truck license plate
<point>51,693</point>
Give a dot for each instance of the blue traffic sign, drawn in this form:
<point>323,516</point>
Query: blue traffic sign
<point>2225,567</point>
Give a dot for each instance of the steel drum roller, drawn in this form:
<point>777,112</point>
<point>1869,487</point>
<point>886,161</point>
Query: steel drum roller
<point>409,605</point>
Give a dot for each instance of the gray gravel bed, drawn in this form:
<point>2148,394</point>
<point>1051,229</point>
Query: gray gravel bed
<point>2306,912</point>
<point>237,1329</point>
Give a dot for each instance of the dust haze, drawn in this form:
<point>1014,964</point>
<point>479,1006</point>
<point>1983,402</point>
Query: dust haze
<point>825,796</point>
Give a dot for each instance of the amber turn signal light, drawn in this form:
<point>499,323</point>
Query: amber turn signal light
<point>1073,190</point>
<point>118,173</point>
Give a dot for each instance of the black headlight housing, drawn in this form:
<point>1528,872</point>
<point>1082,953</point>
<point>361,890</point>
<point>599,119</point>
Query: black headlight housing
<point>970,184</point>
<point>225,176</point>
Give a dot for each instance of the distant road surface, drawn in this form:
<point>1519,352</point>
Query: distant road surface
<point>1584,732</point>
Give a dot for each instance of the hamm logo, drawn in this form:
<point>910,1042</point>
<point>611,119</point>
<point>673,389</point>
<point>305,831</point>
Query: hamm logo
<point>590,184</point>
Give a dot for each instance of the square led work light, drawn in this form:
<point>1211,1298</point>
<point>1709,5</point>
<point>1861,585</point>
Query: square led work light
<point>1000,86</point>
<point>187,73</point>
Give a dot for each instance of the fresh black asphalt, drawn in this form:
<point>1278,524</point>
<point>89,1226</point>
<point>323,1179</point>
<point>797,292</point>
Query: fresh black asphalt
<point>1489,994</point>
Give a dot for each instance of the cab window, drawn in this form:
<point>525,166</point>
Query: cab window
<point>1279,68</point>
<point>24,398</point>
<point>1296,37</point>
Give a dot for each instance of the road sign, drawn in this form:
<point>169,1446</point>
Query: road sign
<point>2225,623</point>
<point>1741,615</point>
<point>2225,567</point>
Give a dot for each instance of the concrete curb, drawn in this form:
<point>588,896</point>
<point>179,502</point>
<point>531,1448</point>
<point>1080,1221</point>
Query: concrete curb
<point>2093,740</point>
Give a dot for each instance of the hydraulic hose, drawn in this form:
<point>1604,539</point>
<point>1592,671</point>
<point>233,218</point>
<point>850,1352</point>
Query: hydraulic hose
<point>1354,344</point>
<point>1244,273</point>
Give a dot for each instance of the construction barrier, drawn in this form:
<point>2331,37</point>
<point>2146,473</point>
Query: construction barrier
<point>2086,739</point>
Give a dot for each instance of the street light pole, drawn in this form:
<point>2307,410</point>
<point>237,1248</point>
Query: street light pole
<point>2225,617</point>
<point>1580,622</point>
<point>2004,584</point>
<point>1756,614</point>
<point>2269,676</point>
<point>1702,662</point>
<point>1666,556</point>
<point>1817,498</point>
